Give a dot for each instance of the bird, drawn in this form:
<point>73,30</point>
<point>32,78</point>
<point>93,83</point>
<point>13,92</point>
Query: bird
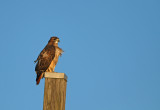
<point>48,58</point>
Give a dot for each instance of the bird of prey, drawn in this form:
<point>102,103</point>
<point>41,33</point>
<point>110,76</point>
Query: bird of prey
<point>48,58</point>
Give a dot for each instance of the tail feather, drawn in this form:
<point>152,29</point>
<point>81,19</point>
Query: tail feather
<point>39,76</point>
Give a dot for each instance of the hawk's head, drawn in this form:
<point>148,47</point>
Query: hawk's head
<point>54,39</point>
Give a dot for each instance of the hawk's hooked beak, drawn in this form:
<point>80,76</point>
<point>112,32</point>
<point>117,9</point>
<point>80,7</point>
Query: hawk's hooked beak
<point>58,40</point>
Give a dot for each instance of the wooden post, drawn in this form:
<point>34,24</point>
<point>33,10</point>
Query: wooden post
<point>54,91</point>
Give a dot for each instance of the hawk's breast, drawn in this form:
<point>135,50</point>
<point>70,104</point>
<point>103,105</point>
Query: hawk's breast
<point>58,52</point>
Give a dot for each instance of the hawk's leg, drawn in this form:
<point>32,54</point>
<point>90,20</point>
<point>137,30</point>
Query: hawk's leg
<point>53,68</point>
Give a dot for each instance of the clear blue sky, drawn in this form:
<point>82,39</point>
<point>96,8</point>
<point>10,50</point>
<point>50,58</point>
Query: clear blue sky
<point>112,52</point>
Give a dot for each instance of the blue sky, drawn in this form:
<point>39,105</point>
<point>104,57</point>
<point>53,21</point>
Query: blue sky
<point>111,57</point>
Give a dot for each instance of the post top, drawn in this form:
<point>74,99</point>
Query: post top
<point>55,75</point>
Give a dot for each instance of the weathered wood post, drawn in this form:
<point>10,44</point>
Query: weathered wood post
<point>54,91</point>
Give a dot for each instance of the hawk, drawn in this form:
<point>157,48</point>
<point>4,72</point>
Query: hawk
<point>48,58</point>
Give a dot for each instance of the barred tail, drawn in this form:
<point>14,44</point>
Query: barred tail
<point>39,76</point>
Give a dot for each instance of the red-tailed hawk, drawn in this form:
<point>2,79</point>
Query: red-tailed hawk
<point>48,58</point>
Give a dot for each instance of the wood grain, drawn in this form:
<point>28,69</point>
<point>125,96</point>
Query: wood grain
<point>54,94</point>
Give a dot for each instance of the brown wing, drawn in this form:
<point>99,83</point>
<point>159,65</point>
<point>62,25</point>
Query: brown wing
<point>45,58</point>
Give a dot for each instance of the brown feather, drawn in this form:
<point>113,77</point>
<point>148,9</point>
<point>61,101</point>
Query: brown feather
<point>48,58</point>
